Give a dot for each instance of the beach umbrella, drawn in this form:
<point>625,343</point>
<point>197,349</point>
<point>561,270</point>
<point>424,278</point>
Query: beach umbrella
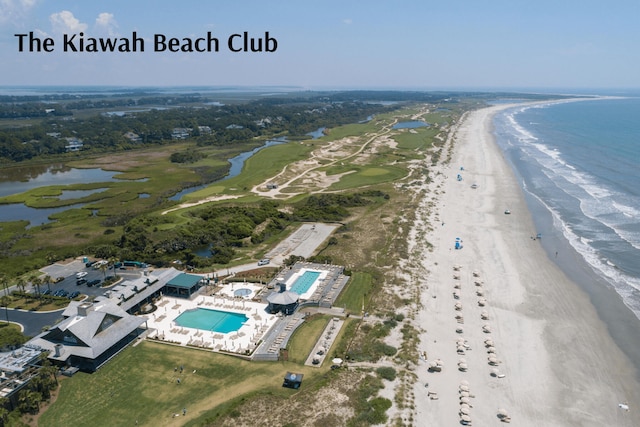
<point>488,342</point>
<point>476,273</point>
<point>493,360</point>
<point>464,382</point>
<point>464,388</point>
<point>502,413</point>
<point>491,350</point>
<point>462,367</point>
<point>464,411</point>
<point>466,419</point>
<point>459,330</point>
<point>464,400</point>
<point>462,360</point>
<point>458,306</point>
<point>495,372</point>
<point>456,286</point>
<point>479,292</point>
<point>465,405</point>
<point>464,394</point>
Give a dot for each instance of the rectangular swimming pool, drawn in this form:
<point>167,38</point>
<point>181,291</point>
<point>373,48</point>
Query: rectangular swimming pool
<point>211,320</point>
<point>304,282</point>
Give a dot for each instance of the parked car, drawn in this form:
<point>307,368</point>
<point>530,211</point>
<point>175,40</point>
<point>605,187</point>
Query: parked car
<point>74,294</point>
<point>95,282</point>
<point>81,282</point>
<point>59,279</point>
<point>81,274</point>
<point>264,261</point>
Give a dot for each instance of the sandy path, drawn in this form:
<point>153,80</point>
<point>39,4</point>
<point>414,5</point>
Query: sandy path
<point>561,366</point>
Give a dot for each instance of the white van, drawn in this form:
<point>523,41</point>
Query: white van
<point>264,261</point>
<point>97,265</point>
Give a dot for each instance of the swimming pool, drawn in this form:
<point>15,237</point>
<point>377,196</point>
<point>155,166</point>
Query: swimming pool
<point>211,320</point>
<point>242,292</point>
<point>304,282</point>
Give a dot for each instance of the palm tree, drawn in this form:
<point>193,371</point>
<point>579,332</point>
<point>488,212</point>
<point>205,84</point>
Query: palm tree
<point>4,412</point>
<point>104,268</point>
<point>5,284</point>
<point>36,282</point>
<point>21,283</point>
<point>47,280</point>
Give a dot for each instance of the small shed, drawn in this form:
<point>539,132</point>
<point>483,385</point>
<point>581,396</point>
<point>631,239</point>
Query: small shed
<point>292,380</point>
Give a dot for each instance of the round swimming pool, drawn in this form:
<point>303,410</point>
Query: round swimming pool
<point>242,292</point>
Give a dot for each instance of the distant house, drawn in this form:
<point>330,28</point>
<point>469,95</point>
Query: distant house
<point>74,144</point>
<point>180,133</point>
<point>204,130</point>
<point>133,137</point>
<point>89,335</point>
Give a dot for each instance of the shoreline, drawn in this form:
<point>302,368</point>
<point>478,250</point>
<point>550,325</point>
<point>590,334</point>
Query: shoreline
<point>621,322</point>
<point>561,365</point>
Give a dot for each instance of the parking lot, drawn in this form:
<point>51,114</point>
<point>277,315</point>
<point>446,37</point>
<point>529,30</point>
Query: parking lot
<point>70,283</point>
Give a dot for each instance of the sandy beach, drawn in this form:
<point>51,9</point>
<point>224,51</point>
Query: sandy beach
<point>551,361</point>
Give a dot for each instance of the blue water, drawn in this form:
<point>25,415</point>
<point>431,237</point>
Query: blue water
<point>55,176</point>
<point>211,320</point>
<point>581,160</point>
<point>304,282</point>
<point>410,125</point>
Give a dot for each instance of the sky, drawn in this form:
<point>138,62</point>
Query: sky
<point>411,44</point>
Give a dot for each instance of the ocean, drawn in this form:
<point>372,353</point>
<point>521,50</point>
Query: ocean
<point>579,166</point>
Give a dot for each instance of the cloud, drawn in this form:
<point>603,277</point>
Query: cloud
<point>64,22</point>
<point>347,21</point>
<point>13,11</point>
<point>105,23</point>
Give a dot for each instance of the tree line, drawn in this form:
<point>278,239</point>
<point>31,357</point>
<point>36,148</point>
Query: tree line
<point>207,125</point>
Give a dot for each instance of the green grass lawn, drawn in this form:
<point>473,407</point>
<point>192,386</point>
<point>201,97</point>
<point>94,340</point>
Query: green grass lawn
<point>141,384</point>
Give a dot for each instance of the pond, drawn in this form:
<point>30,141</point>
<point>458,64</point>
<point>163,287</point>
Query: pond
<point>318,133</point>
<point>19,180</point>
<point>410,125</point>
<point>19,212</point>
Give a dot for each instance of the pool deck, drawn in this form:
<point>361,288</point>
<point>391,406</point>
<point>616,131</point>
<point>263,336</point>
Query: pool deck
<point>163,328</point>
<point>264,335</point>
